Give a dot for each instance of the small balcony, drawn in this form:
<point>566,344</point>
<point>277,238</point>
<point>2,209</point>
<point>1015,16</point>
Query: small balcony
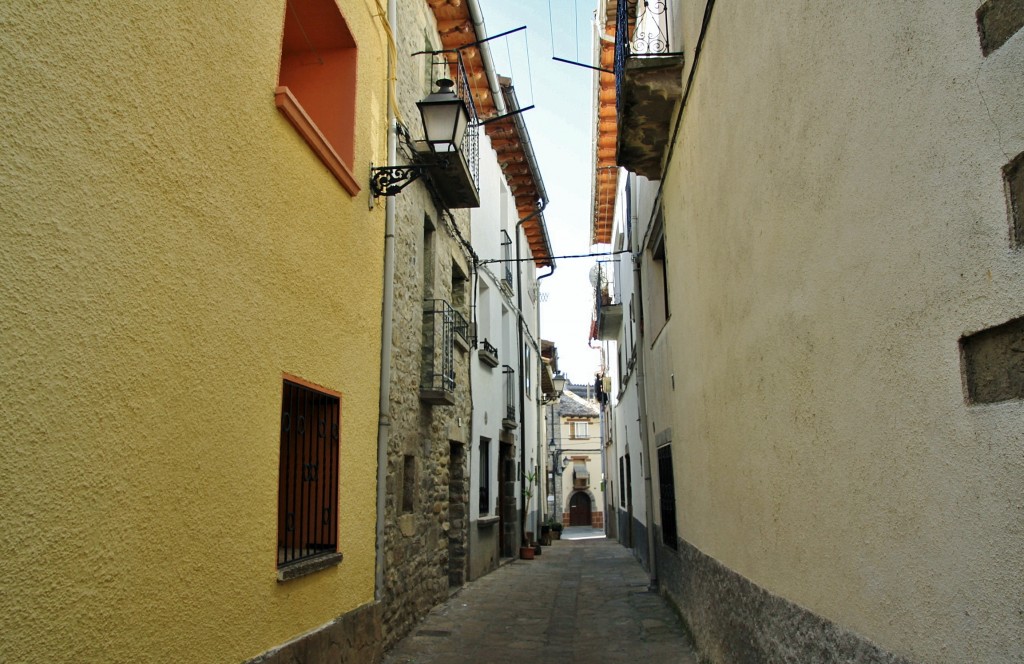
<point>488,354</point>
<point>509,420</point>
<point>437,373</point>
<point>506,261</point>
<point>451,172</point>
<point>648,82</point>
<point>580,478</point>
<point>455,174</point>
<point>609,318</point>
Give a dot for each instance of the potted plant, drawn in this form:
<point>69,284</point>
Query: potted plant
<point>547,530</point>
<point>551,530</point>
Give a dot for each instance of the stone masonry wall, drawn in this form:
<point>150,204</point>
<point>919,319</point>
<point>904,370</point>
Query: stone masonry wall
<point>354,638</point>
<point>424,549</point>
<point>735,621</point>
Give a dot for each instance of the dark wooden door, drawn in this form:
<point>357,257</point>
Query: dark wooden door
<point>579,509</point>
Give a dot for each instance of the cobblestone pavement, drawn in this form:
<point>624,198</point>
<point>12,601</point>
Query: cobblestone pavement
<point>583,600</point>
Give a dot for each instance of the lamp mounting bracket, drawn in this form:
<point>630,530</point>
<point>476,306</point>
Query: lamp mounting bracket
<point>389,180</point>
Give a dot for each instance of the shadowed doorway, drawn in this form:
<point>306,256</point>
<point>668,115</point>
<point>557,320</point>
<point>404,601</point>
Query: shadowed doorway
<point>579,509</point>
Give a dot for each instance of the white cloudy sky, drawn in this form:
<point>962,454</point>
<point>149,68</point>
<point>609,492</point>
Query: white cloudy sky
<point>561,130</point>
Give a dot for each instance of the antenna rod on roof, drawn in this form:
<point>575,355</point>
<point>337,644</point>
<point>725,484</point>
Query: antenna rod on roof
<point>487,39</point>
<point>580,64</point>
<point>502,117</point>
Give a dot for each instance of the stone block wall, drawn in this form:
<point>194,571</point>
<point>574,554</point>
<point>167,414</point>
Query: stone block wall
<point>425,548</point>
<point>354,638</point>
<point>735,621</point>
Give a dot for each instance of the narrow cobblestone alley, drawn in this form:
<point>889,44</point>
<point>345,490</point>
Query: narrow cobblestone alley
<point>582,600</point>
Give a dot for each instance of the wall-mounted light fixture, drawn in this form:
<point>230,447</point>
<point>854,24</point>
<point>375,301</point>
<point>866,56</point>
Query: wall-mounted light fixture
<point>553,450</point>
<point>558,383</point>
<point>445,119</point>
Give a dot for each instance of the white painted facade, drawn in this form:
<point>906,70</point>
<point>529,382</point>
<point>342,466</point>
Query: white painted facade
<point>498,281</point>
<point>834,212</point>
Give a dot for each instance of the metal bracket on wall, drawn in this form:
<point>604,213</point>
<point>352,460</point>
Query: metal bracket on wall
<point>389,180</point>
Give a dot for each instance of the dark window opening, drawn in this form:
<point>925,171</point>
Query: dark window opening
<point>1013,174</point>
<point>994,363</point>
<point>998,20</point>
<point>659,259</point>
<point>408,484</point>
<point>485,476</point>
<point>458,288</point>
<point>622,481</point>
<point>667,494</point>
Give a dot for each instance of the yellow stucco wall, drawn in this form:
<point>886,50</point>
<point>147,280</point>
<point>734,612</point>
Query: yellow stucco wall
<point>835,222</point>
<point>169,246</point>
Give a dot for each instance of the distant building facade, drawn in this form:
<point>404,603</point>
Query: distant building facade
<point>579,488</point>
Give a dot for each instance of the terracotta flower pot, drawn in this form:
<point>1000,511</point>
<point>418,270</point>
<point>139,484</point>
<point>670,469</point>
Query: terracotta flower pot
<point>526,552</point>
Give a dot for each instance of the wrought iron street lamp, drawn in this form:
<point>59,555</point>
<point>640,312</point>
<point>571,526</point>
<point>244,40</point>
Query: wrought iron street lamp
<point>558,383</point>
<point>445,117</point>
<point>445,120</point>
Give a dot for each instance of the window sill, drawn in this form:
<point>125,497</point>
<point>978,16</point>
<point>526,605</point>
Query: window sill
<point>310,566</point>
<point>487,521</point>
<point>292,109</point>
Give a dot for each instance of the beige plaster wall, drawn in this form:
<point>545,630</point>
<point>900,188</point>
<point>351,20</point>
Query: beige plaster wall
<point>835,222</point>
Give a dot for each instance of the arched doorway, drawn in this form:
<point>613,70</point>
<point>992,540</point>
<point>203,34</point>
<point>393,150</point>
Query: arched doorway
<point>579,509</point>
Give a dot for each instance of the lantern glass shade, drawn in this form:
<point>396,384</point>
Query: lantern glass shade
<point>445,118</point>
<point>558,383</point>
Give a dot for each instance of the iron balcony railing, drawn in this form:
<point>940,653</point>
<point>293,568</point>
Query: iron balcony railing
<point>460,326</point>
<point>440,321</point>
<point>451,64</point>
<point>510,392</point>
<point>641,30</point>
<point>471,140</point>
<point>487,346</point>
<point>506,256</point>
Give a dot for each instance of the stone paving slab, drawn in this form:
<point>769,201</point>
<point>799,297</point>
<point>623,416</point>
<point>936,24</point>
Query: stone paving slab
<point>583,600</point>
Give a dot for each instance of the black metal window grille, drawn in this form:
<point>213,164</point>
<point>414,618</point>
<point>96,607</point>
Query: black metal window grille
<point>439,323</point>
<point>488,347</point>
<point>510,391</point>
<point>459,325</point>
<point>506,256</point>
<point>667,494</point>
<point>622,481</point>
<point>307,519</point>
<point>485,476</point>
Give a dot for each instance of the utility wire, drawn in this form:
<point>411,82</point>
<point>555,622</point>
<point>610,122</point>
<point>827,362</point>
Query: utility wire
<point>529,67</point>
<point>576,26</point>
<point>551,26</point>
<point>524,260</point>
